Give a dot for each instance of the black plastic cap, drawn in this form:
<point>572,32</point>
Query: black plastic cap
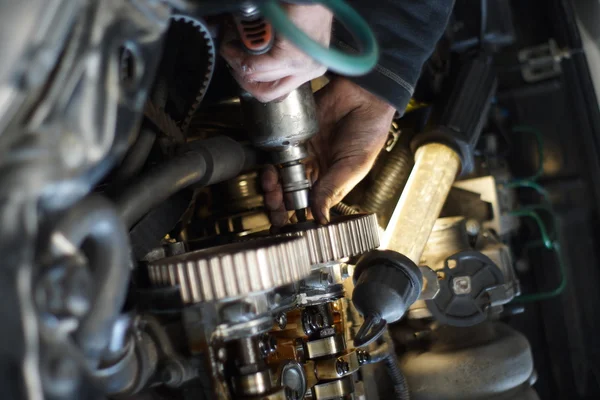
<point>470,306</point>
<point>386,284</point>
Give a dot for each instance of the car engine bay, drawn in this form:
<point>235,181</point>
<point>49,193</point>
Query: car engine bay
<point>139,261</point>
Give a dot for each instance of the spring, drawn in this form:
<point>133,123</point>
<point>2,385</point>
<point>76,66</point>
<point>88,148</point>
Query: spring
<point>391,179</point>
<point>345,209</point>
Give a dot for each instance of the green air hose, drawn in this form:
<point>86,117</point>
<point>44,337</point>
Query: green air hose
<point>349,64</point>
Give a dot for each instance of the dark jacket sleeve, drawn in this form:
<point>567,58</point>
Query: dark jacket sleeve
<point>407,32</point>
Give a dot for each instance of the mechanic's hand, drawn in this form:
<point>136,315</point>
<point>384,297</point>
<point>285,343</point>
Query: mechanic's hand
<point>354,126</point>
<point>284,68</point>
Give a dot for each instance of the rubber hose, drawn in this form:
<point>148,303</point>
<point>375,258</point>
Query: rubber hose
<point>136,156</point>
<point>159,184</point>
<point>401,391</point>
<point>208,161</point>
<point>350,64</point>
<point>391,179</point>
<point>387,353</point>
<point>94,226</point>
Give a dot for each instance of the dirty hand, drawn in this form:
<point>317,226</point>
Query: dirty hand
<point>284,68</point>
<point>354,126</point>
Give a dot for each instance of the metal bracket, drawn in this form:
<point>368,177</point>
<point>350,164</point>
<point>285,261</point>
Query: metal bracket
<point>542,61</point>
<point>431,285</point>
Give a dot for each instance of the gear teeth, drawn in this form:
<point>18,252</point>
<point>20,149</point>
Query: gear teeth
<point>202,29</point>
<point>163,122</point>
<point>344,237</point>
<point>234,270</point>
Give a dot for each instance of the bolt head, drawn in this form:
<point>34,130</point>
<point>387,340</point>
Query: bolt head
<point>461,285</point>
<point>268,345</point>
<point>312,321</point>
<point>342,366</point>
<point>363,357</point>
<point>472,226</point>
<point>281,320</point>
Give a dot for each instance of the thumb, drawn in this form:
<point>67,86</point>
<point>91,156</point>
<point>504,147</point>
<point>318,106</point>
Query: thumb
<point>331,187</point>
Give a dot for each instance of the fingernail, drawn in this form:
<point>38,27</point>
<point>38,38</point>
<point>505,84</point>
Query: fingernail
<point>324,219</point>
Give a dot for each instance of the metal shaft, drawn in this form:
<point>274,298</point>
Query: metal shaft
<point>282,127</point>
<point>436,166</point>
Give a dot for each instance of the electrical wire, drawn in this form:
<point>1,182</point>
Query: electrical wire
<point>547,240</point>
<point>538,220</point>
<point>524,183</point>
<point>549,244</point>
<point>559,289</point>
<point>349,64</point>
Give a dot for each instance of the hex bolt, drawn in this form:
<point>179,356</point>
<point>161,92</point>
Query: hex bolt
<point>461,285</point>
<point>312,321</point>
<point>268,345</point>
<point>281,320</point>
<point>341,366</point>
<point>363,357</point>
<point>346,270</point>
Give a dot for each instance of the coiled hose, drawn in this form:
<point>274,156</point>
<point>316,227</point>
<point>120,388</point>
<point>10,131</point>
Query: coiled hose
<point>342,208</point>
<point>391,179</point>
<point>387,354</point>
<point>401,391</point>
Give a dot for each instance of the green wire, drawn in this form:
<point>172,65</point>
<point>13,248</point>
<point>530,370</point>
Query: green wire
<point>529,212</point>
<point>335,60</point>
<point>548,209</point>
<point>550,245</point>
<point>524,183</point>
<point>540,144</point>
<point>547,242</point>
<point>558,290</point>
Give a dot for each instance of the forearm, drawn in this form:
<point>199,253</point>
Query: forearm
<point>407,31</point>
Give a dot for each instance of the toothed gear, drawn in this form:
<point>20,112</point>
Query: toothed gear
<point>187,67</point>
<point>233,270</point>
<point>345,236</point>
